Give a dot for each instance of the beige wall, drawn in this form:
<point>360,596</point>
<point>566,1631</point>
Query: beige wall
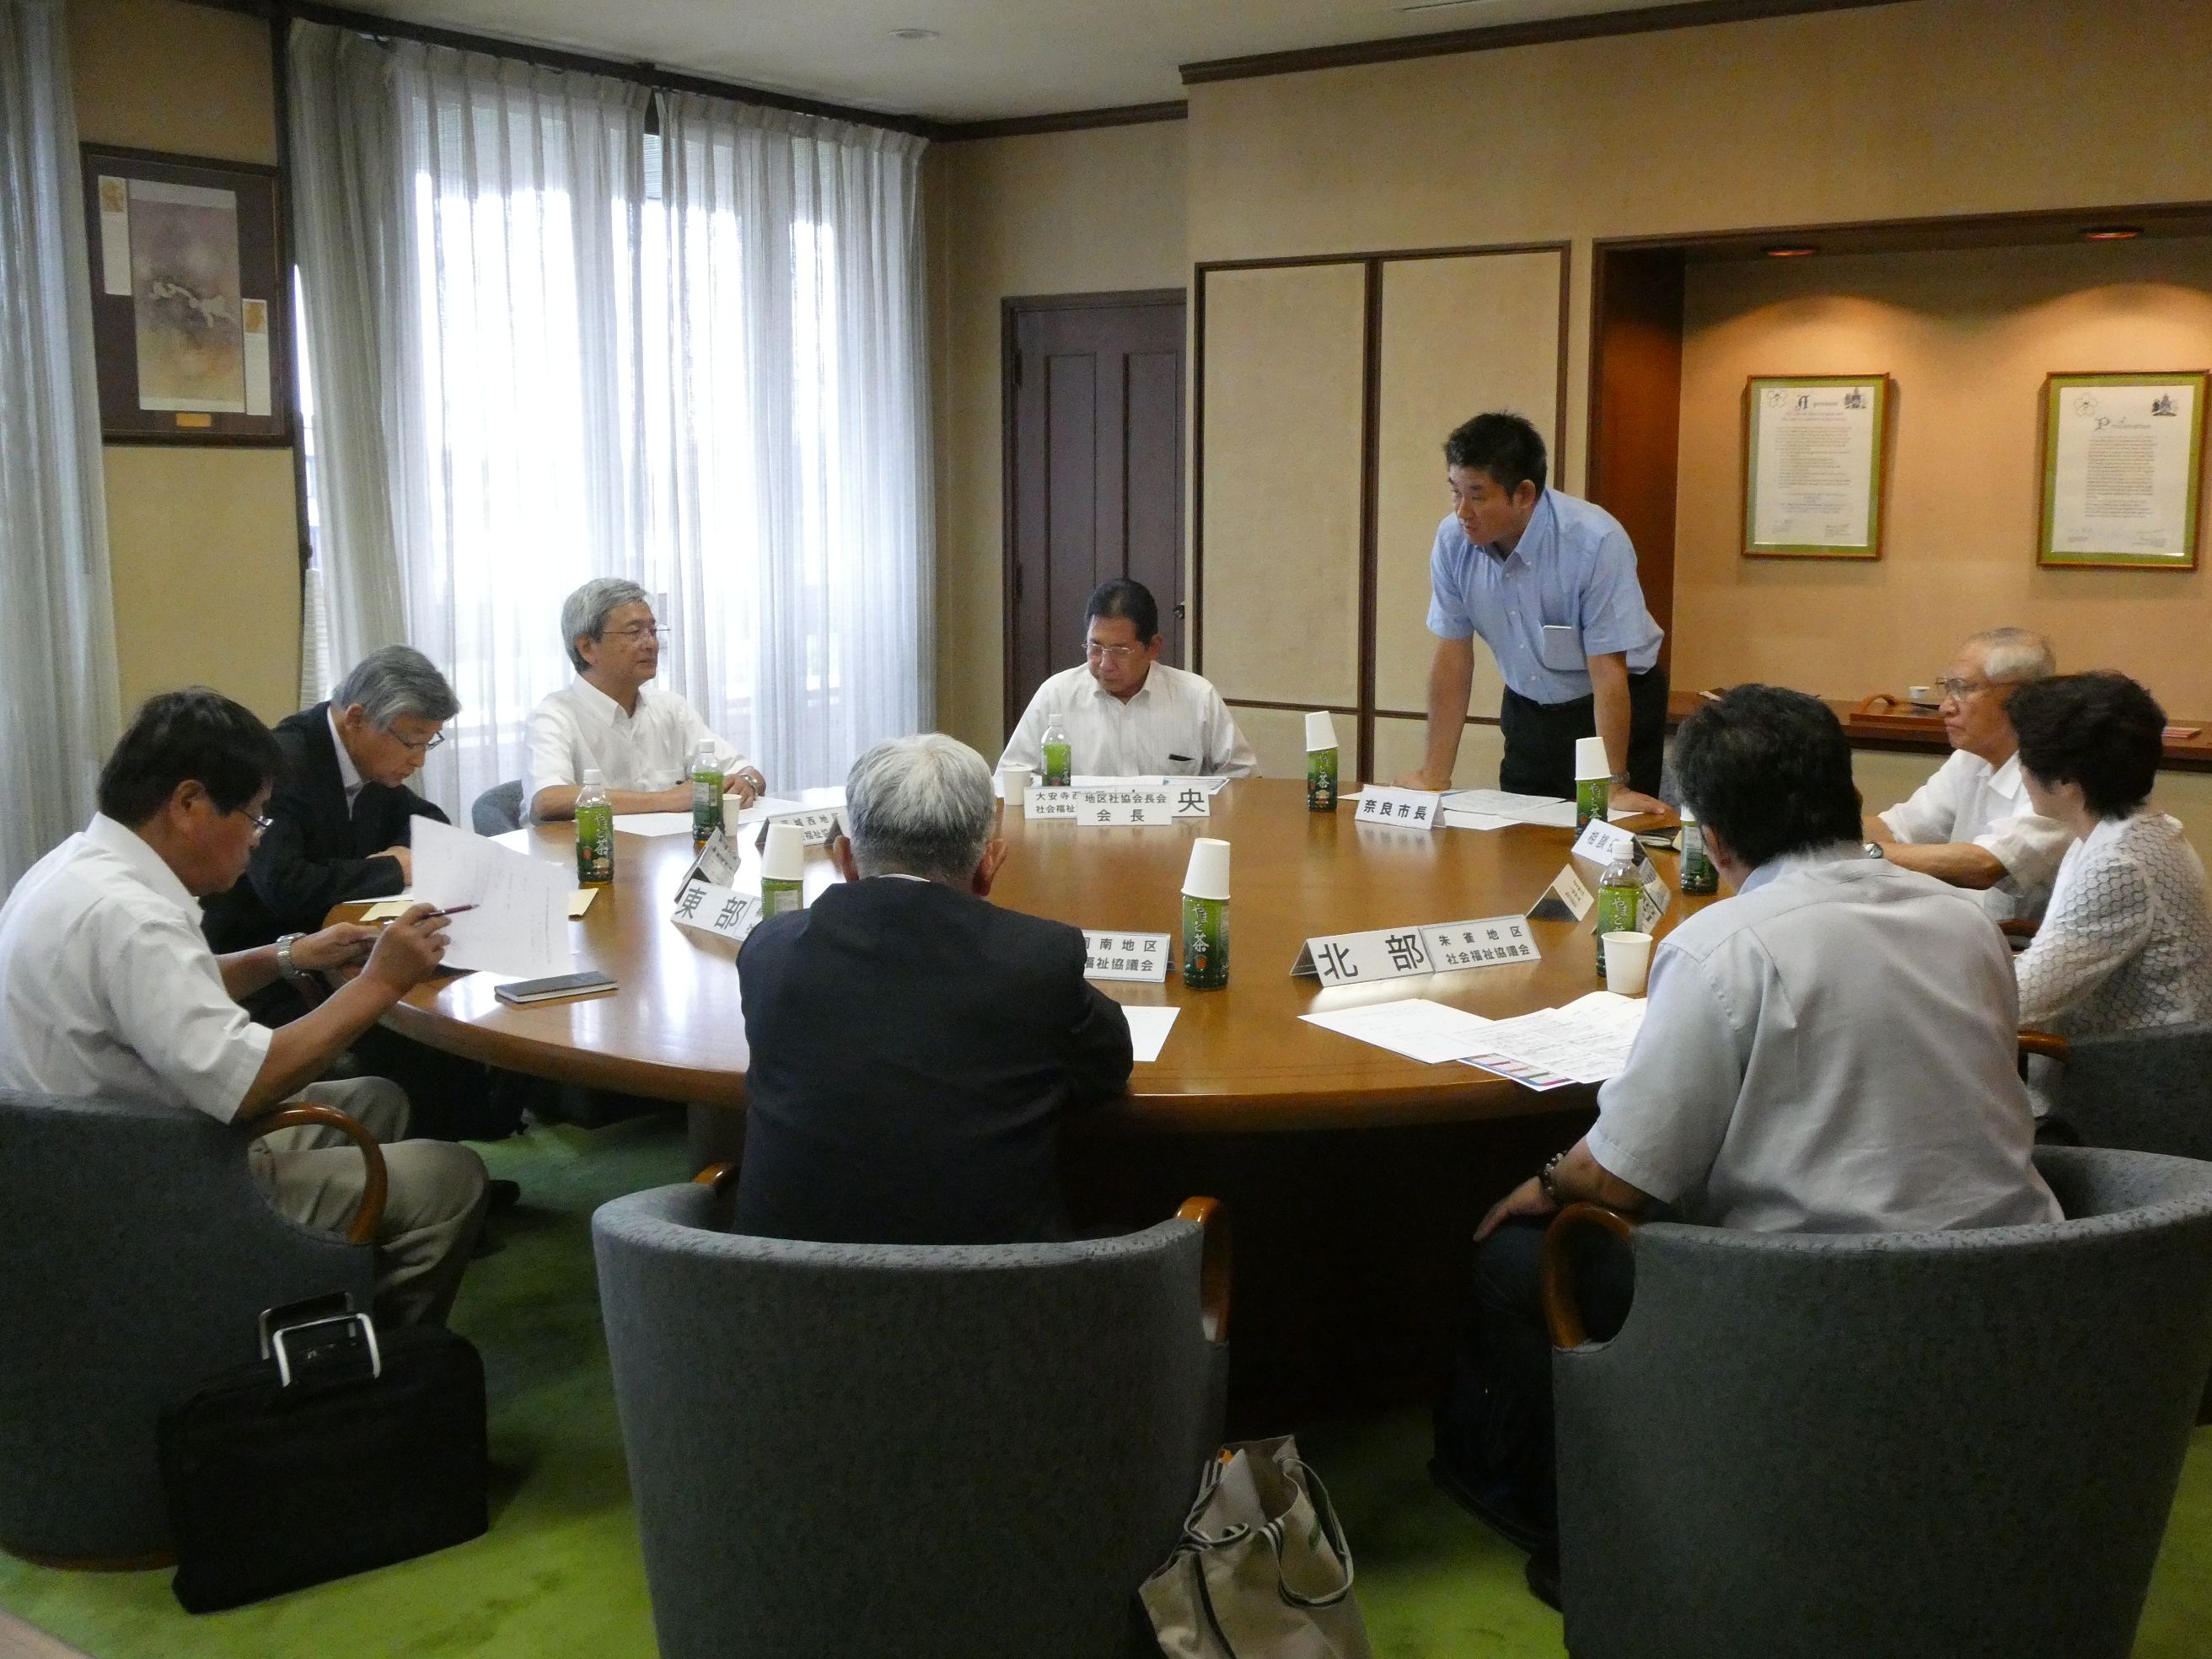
<point>1968,337</point>
<point>1092,211</point>
<point>203,544</point>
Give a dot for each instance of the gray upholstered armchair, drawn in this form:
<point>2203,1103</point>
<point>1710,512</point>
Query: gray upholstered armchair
<point>136,1255</point>
<point>2143,1092</point>
<point>945,1452</point>
<point>498,810</point>
<point>1906,1444</point>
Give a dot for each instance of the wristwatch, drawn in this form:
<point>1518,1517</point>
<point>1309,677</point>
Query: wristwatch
<point>1874,850</point>
<point>1546,1177</point>
<point>285,965</point>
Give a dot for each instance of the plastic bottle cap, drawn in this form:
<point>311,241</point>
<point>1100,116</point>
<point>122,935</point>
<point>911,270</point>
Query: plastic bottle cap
<point>1688,817</point>
<point>1589,760</point>
<point>784,857</point>
<point>1207,878</point>
<point>1321,731</point>
<point>593,776</point>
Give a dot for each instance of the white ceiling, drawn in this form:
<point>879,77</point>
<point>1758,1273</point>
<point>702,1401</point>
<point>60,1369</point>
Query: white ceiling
<point>989,58</point>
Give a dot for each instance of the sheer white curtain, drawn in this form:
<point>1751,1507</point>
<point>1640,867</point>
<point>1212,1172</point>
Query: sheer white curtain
<point>529,368</point>
<point>468,227</point>
<point>790,505</point>
<point>58,711</point>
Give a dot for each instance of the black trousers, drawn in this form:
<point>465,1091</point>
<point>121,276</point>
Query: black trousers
<point>1540,738</point>
<point>1494,1425</point>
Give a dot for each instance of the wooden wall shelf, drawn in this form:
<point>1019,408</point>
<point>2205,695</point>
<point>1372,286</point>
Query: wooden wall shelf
<point>1885,720</point>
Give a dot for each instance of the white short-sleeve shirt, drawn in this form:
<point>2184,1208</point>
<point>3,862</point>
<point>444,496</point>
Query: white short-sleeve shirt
<point>1969,800</point>
<point>1830,1051</point>
<point>1176,726</point>
<point>108,987</point>
<point>581,728</point>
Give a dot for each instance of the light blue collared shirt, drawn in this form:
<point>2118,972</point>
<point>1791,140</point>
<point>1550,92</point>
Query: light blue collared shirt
<point>1574,567</point>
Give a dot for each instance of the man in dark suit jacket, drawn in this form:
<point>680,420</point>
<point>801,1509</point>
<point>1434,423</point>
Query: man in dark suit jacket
<point>915,1047</point>
<point>340,819</point>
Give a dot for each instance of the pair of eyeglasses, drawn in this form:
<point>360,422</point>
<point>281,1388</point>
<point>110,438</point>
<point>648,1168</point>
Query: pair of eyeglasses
<point>658,631</point>
<point>1960,690</point>
<point>260,824</point>
<point>1117,653</point>
<point>423,748</point>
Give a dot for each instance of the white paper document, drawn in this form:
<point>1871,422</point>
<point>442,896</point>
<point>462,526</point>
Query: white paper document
<point>768,806</point>
<point>1084,780</point>
<point>1458,820</point>
<point>519,925</point>
<point>1514,809</point>
<point>1148,1031</point>
<point>1586,1041</point>
<point>654,823</point>
<point>1417,1028</point>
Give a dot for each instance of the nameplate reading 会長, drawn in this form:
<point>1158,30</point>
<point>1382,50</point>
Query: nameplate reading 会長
<point>1398,952</point>
<point>1141,956</point>
<point>1114,807</point>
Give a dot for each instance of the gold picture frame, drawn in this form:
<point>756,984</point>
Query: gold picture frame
<point>1816,460</point>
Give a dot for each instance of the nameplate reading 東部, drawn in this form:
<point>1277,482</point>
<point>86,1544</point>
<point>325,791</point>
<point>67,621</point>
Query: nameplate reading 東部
<point>705,908</point>
<point>1125,955</point>
<point>1408,809</point>
<point>1397,952</point>
<point>1145,804</point>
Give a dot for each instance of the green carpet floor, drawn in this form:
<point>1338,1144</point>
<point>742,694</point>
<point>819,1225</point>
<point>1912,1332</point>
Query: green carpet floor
<point>559,1572</point>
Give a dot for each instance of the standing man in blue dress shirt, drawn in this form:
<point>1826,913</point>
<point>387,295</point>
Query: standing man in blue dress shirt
<point>1549,582</point>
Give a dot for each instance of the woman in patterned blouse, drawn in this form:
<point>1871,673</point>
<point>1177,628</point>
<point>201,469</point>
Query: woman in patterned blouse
<point>2127,939</point>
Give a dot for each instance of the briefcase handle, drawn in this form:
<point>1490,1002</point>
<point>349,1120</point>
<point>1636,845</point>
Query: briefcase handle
<point>370,1216</point>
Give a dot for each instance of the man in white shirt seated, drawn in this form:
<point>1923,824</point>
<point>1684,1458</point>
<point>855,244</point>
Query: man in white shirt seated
<point>1831,1050</point>
<point>1972,824</point>
<point>108,991</point>
<point>1127,713</point>
<point>641,743</point>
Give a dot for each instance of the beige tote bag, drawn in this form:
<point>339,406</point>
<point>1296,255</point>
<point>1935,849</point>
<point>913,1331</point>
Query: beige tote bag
<point>1263,1571</point>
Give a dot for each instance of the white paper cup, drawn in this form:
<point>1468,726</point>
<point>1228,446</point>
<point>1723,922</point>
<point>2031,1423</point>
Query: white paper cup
<point>1627,962</point>
<point>1207,878</point>
<point>784,857</point>
<point>1321,731</point>
<point>1014,782</point>
<point>1590,761</point>
<point>1925,694</point>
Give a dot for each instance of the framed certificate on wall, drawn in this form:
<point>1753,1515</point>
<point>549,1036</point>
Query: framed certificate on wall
<point>2123,456</point>
<point>1813,446</point>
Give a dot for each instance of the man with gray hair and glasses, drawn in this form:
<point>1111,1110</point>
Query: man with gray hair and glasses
<point>1972,824</point>
<point>641,743</point>
<point>915,1046</point>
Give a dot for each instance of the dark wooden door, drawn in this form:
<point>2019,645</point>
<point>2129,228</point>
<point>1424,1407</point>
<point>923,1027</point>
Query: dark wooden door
<point>1094,469</point>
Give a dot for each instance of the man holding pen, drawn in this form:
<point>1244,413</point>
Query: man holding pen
<point>108,990</point>
<point>1549,582</point>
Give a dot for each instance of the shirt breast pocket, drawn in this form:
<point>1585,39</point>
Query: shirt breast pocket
<point>1559,648</point>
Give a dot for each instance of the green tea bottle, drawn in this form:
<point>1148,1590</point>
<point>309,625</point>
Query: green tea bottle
<point>595,833</point>
<point>1320,762</point>
<point>1058,757</point>
<point>1698,875</point>
<point>1619,891</point>
<point>783,871</point>
<point>1206,915</point>
<point>1593,781</point>
<point>707,783</point>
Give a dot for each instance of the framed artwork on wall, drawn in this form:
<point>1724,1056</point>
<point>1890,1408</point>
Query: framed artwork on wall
<point>1813,450</point>
<point>191,305</point>
<point>2123,460</point>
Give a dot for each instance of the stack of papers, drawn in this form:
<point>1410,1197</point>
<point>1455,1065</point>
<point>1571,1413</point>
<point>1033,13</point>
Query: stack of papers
<point>1432,1032</point>
<point>519,924</point>
<point>1586,1041</point>
<point>1493,809</point>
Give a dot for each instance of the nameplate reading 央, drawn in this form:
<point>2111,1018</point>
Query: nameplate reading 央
<point>716,864</point>
<point>1125,955</point>
<point>1409,809</point>
<point>1144,805</point>
<point>818,827</point>
<point>705,908</point>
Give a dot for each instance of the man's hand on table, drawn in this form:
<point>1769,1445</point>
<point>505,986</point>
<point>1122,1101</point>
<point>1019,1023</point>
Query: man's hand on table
<point>1423,781</point>
<point>1625,799</point>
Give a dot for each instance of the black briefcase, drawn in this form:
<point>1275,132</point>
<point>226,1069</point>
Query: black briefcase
<point>345,1449</point>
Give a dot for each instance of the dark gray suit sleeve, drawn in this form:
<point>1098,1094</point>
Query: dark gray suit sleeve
<point>1098,1052</point>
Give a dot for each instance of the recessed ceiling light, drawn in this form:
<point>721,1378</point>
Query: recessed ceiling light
<point>914,34</point>
<point>1791,251</point>
<point>2111,233</point>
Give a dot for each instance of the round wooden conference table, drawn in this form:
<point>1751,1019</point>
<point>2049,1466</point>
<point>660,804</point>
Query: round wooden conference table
<point>1238,1059</point>
<point>1353,1177</point>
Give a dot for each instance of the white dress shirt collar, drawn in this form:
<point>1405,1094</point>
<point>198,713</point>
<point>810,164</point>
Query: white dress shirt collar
<point>1775,868</point>
<point>151,869</point>
<point>349,773</point>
